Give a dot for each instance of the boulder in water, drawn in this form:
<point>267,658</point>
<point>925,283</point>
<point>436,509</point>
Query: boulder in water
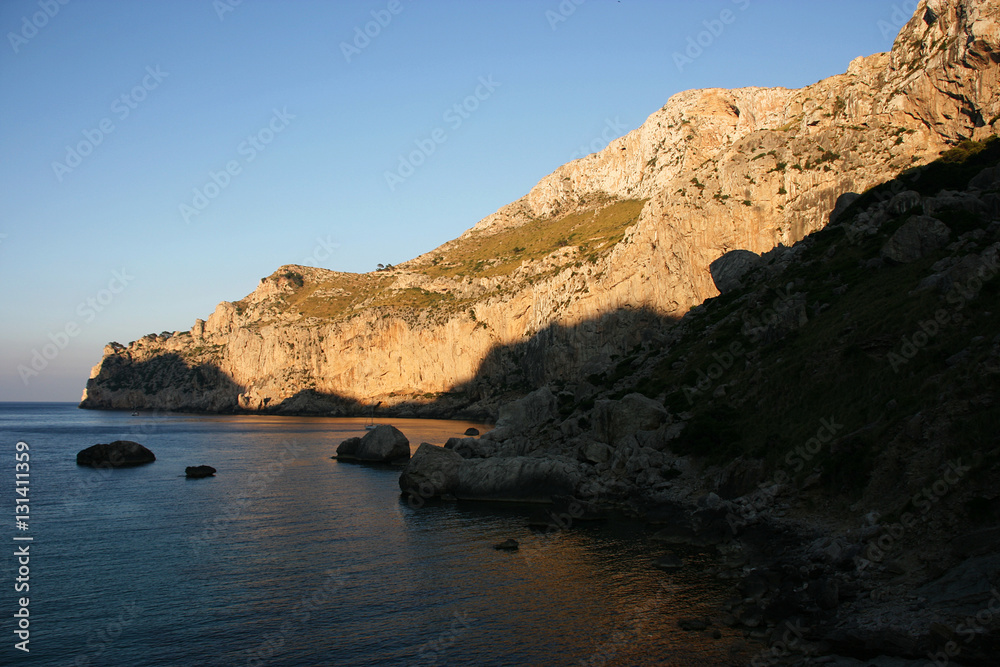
<point>507,545</point>
<point>383,444</point>
<point>431,473</point>
<point>693,624</point>
<point>669,563</point>
<point>198,472</point>
<point>118,454</point>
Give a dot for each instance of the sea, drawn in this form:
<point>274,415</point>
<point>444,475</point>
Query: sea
<point>289,557</point>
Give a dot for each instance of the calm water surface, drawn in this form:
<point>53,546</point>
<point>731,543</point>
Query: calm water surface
<point>287,557</point>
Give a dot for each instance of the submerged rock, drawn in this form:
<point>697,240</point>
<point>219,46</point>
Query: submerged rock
<point>198,472</point>
<point>693,624</point>
<point>383,444</point>
<point>507,545</point>
<point>669,563</point>
<point>118,454</point>
<point>550,521</point>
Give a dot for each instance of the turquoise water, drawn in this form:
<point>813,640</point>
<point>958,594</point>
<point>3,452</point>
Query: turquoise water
<point>287,557</point>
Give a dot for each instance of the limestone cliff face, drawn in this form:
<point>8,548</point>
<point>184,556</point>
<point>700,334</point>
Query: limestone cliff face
<point>712,171</point>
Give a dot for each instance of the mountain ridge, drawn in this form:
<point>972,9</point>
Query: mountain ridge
<point>715,170</point>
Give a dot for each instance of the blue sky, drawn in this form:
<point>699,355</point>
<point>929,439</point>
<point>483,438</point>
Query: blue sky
<point>160,156</point>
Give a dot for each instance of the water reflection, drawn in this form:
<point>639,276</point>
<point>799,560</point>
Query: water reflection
<point>287,557</point>
<point>590,591</point>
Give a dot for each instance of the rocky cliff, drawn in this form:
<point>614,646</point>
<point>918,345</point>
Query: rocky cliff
<point>590,263</point>
<point>826,428</point>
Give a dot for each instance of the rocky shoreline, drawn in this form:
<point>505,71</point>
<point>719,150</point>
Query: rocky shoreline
<point>825,420</point>
<point>804,588</point>
<point>875,543</point>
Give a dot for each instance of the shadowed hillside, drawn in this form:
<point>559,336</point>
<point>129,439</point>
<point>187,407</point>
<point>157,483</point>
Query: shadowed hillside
<point>828,424</point>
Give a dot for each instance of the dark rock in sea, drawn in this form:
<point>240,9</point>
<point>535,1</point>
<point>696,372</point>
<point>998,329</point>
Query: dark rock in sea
<point>383,444</point>
<point>550,520</point>
<point>348,448</point>
<point>472,431</point>
<point>198,472</point>
<point>568,509</point>
<point>693,624</point>
<point>669,563</point>
<point>118,454</point>
<point>431,473</point>
<point>507,545</point>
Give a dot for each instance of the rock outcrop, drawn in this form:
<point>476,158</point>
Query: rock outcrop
<point>919,236</point>
<point>436,471</point>
<point>516,479</point>
<point>844,464</point>
<point>616,420</point>
<point>199,472</point>
<point>118,454</point>
<point>431,473</point>
<point>594,259</point>
<point>728,270</point>
<point>383,444</point>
